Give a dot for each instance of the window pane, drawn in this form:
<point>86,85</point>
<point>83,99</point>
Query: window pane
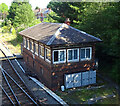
<point>82,53</point>
<point>32,45</point>
<point>87,53</point>
<point>55,56</point>
<point>48,54</point>
<point>26,43</point>
<point>69,54</point>
<point>42,51</point>
<point>36,48</point>
<point>76,54</point>
<point>62,58</point>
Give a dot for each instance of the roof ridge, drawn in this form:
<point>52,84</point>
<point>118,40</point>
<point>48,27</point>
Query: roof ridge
<point>56,34</point>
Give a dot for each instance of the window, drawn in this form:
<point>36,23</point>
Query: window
<point>31,46</point>
<point>41,50</point>
<point>59,56</point>
<point>48,55</point>
<point>85,53</point>
<point>28,45</point>
<point>36,48</point>
<point>24,41</point>
<point>73,55</point>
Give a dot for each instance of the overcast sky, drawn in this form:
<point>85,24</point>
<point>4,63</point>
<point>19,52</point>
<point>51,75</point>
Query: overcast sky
<point>34,3</point>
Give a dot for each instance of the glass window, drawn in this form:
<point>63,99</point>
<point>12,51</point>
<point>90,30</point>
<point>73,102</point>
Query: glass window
<point>69,54</point>
<point>82,53</point>
<point>24,41</point>
<point>28,44</point>
<point>62,58</point>
<point>36,48</point>
<point>32,45</point>
<point>42,51</point>
<point>88,53</point>
<point>48,54</point>
<point>59,56</point>
<point>85,53</point>
<point>73,55</point>
<point>55,56</point>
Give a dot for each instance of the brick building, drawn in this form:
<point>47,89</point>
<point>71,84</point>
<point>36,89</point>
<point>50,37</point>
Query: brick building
<point>59,54</point>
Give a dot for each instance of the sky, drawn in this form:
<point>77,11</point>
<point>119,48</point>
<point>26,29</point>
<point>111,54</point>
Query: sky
<point>34,3</point>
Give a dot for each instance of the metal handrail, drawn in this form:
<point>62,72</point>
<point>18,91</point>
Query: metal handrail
<point>7,95</point>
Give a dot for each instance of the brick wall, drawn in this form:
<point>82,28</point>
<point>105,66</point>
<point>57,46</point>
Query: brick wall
<point>53,75</point>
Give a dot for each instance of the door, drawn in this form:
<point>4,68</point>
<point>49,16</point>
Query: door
<point>73,80</point>
<point>85,78</point>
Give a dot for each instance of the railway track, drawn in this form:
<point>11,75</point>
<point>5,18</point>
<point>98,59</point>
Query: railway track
<point>13,86</point>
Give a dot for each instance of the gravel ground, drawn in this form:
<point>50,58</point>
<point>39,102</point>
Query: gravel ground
<point>36,90</point>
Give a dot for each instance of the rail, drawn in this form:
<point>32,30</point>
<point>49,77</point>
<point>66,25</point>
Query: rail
<point>7,95</point>
<point>3,71</point>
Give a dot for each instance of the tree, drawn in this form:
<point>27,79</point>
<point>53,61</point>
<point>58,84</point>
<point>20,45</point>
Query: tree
<point>3,9</point>
<point>100,20</point>
<point>36,7</point>
<point>20,13</point>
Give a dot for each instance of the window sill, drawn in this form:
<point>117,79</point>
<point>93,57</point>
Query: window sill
<point>36,53</point>
<point>42,57</point>
<point>48,60</point>
<point>59,62</point>
<point>73,60</point>
<point>85,59</point>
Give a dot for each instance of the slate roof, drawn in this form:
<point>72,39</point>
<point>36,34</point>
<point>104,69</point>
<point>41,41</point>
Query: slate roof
<point>57,34</point>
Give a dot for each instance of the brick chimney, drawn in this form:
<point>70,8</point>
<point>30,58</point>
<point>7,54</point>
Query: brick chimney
<point>67,21</point>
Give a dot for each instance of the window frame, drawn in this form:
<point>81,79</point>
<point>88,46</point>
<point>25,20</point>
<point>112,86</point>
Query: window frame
<point>59,56</point>
<point>85,59</point>
<point>46,55</point>
<point>73,60</point>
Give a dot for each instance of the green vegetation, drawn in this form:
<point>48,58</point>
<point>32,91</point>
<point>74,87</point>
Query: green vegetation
<point>81,96</point>
<point>20,13</point>
<point>3,9</point>
<point>20,16</point>
<point>100,20</point>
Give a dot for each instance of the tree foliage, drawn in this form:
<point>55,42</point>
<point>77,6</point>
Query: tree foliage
<point>20,13</point>
<point>3,9</point>
<point>99,19</point>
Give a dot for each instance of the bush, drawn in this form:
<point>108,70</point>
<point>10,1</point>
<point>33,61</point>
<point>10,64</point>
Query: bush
<point>5,29</point>
<point>13,30</point>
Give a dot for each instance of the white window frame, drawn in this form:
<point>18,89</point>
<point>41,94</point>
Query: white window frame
<point>46,55</point>
<point>84,59</point>
<point>36,45</point>
<point>59,56</point>
<point>41,50</point>
<point>73,60</point>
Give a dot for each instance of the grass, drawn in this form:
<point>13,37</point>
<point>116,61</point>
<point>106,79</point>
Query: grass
<point>80,96</point>
<point>13,42</point>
